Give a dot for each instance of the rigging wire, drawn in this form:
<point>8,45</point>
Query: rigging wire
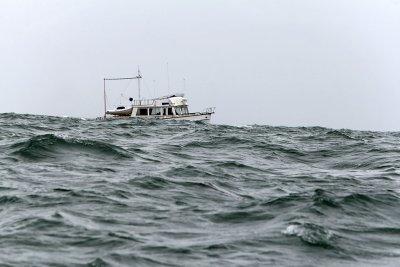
<point>126,90</point>
<point>146,86</point>
<point>169,89</point>
<point>120,97</point>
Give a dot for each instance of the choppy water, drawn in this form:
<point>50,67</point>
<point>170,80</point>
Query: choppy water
<point>125,193</point>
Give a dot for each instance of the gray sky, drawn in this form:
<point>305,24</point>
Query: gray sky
<point>333,63</point>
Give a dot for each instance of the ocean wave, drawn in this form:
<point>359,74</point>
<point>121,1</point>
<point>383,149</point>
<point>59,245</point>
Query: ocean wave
<point>51,146</point>
<point>372,198</point>
<point>150,183</point>
<point>341,134</point>
<point>322,198</point>
<point>10,200</point>
<point>138,192</point>
<point>311,234</point>
<point>241,217</point>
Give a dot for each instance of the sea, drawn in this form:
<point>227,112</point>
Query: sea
<point>76,192</point>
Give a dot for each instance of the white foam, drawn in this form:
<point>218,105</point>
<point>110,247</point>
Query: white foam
<point>293,230</point>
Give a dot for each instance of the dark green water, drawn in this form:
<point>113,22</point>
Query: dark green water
<point>132,193</point>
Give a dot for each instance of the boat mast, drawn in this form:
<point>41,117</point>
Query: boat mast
<point>168,78</point>
<point>139,76</point>
<point>105,99</point>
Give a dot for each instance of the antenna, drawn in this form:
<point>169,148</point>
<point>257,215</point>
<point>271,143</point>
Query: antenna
<point>154,88</point>
<point>168,77</point>
<point>139,77</point>
<point>105,98</point>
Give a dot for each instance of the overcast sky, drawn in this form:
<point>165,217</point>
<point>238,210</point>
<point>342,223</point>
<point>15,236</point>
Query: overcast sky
<point>333,63</point>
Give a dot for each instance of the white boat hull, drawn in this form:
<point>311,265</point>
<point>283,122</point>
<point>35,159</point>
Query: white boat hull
<point>206,117</point>
<point>190,117</point>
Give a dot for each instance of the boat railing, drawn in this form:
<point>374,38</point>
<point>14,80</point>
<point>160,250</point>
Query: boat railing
<point>144,102</point>
<point>209,110</point>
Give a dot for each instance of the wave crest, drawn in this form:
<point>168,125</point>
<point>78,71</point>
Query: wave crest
<point>311,234</point>
<point>51,146</point>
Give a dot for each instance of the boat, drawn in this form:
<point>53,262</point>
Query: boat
<point>169,107</point>
<point>120,111</point>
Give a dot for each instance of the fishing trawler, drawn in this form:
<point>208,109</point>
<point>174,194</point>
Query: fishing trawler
<point>169,107</point>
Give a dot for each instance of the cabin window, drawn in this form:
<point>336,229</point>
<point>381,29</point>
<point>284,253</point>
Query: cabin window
<point>150,111</point>
<point>164,111</point>
<point>170,111</point>
<point>178,111</point>
<point>156,111</point>
<point>142,112</point>
<point>185,111</point>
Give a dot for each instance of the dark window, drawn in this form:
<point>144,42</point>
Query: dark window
<point>150,111</point>
<point>142,112</point>
<point>170,111</point>
<point>164,111</point>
